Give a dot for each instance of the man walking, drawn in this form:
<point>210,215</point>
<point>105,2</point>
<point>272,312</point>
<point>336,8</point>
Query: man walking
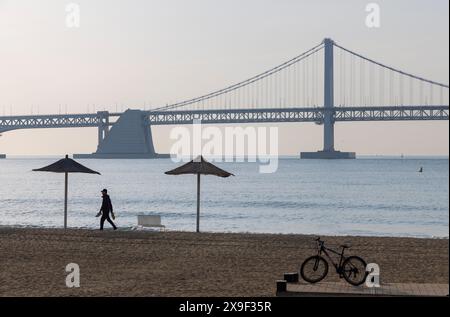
<point>105,210</point>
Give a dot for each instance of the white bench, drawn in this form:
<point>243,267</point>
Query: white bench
<point>150,221</point>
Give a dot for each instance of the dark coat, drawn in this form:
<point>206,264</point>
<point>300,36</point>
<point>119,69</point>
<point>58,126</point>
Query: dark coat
<point>106,205</point>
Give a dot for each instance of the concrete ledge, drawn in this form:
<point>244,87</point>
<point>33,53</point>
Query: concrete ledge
<point>328,155</point>
<point>281,286</point>
<point>121,156</point>
<point>291,277</point>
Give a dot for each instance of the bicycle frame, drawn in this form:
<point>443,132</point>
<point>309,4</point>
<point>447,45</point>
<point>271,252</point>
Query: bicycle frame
<point>323,249</point>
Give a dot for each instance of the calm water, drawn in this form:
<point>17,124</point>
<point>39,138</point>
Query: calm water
<point>362,197</point>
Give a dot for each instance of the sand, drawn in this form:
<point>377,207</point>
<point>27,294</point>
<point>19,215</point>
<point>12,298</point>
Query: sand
<point>132,263</point>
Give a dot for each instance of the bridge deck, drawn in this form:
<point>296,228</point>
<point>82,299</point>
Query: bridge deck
<point>344,289</point>
<point>227,116</point>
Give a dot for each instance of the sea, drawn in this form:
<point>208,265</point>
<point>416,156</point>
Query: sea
<point>369,196</point>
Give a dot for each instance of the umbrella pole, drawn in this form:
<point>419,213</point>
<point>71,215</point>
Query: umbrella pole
<point>198,202</point>
<point>66,183</point>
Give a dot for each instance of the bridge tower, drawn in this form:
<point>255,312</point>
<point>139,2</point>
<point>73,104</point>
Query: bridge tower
<point>328,151</point>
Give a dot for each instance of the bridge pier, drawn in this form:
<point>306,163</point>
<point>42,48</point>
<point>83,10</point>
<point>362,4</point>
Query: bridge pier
<point>103,127</point>
<point>328,151</point>
<point>129,138</point>
<point>2,156</point>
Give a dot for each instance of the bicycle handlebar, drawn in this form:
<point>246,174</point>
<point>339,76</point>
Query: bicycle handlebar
<point>320,242</point>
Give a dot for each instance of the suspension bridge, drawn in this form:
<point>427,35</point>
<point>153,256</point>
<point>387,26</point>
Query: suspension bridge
<point>324,85</point>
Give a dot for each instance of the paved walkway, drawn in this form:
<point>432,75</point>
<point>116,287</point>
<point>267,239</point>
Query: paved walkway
<point>344,289</point>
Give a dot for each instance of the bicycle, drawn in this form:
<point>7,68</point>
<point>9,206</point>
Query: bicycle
<point>315,268</point>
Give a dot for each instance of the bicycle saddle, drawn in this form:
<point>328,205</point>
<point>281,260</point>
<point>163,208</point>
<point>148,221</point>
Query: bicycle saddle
<point>345,246</point>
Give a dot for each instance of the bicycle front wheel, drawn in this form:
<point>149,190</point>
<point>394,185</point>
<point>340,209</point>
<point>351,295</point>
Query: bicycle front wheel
<point>314,269</point>
<point>354,270</point>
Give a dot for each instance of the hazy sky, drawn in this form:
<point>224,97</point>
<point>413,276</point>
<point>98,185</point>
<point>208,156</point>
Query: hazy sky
<point>136,53</point>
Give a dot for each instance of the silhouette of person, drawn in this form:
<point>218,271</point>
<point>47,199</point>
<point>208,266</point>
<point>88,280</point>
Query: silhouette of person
<point>105,209</point>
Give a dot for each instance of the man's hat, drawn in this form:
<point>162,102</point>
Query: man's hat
<point>104,190</point>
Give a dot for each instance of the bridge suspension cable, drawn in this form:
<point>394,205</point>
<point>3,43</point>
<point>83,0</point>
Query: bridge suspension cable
<point>299,83</point>
<point>362,81</point>
<point>392,68</point>
<point>244,84</point>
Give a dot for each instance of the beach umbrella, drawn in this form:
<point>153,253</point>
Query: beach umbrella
<point>198,167</point>
<point>66,166</point>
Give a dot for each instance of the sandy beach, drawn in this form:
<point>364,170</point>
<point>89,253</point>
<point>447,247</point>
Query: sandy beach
<point>136,263</point>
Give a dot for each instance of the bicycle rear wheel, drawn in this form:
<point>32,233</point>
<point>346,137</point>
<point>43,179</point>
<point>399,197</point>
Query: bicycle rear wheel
<point>314,269</point>
<point>354,270</point>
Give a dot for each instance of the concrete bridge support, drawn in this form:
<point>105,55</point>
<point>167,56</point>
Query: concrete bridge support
<point>103,127</point>
<point>2,156</point>
<point>328,151</point>
<point>128,138</point>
